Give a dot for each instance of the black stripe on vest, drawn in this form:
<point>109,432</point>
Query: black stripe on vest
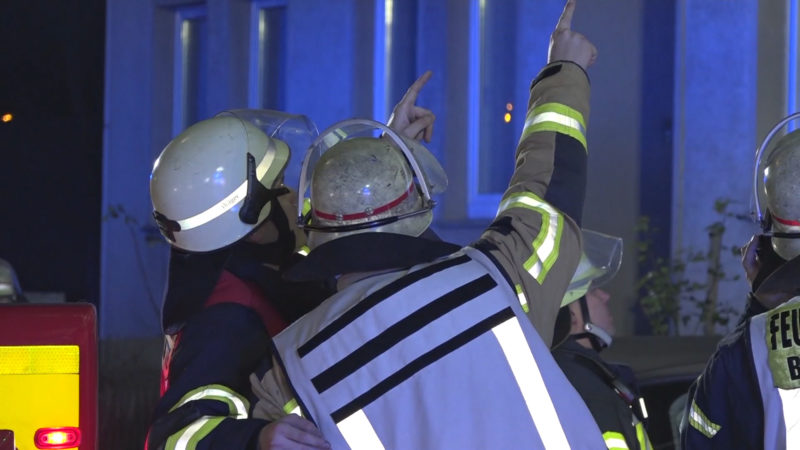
<point>420,363</point>
<point>401,330</point>
<point>374,299</point>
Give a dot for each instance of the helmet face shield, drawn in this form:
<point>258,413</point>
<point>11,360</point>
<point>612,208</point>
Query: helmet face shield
<point>297,131</point>
<point>388,191</point>
<point>600,262</point>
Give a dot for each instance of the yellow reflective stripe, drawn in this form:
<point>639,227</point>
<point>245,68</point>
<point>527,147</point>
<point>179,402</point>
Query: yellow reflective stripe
<point>642,437</point>
<point>359,433</point>
<point>615,440</point>
<point>700,422</point>
<point>291,407</point>
<point>306,205</point>
<point>523,301</point>
<point>39,359</point>
<point>545,245</point>
<point>304,250</point>
<point>558,118</point>
<point>531,384</point>
<point>237,405</point>
<point>188,437</point>
<point>232,199</point>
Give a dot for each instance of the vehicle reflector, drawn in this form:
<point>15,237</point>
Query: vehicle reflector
<point>55,438</point>
<point>39,359</point>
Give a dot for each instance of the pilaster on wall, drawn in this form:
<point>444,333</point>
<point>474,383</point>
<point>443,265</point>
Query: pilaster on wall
<point>716,112</point>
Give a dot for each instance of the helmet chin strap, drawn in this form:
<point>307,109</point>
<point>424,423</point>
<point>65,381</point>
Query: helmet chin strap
<point>598,337</point>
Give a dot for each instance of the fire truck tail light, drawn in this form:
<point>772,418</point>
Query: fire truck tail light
<point>55,438</point>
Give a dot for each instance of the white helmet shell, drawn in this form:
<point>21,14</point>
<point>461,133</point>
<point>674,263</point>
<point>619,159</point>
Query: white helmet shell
<point>360,182</point>
<point>200,180</point>
<point>782,193</point>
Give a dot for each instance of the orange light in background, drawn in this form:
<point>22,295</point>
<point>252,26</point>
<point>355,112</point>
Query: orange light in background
<point>509,107</point>
<point>507,118</point>
<point>7,117</point>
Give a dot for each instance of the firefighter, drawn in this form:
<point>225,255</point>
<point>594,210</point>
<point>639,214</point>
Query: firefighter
<point>427,344</point>
<point>220,202</point>
<point>583,329</point>
<point>747,396</point>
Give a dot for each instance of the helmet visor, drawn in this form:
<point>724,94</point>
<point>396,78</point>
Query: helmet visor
<point>600,262</point>
<point>297,131</point>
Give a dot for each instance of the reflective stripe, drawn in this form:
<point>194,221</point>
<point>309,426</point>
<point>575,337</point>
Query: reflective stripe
<point>523,301</point>
<point>555,117</point>
<point>615,440</point>
<point>304,250</point>
<point>545,246</point>
<point>529,379</point>
<point>187,438</point>
<point>237,405</point>
<point>232,199</point>
<point>791,415</point>
<point>358,432</point>
<point>291,407</point>
<point>39,359</point>
<point>643,408</point>
<point>642,437</point>
<point>700,422</point>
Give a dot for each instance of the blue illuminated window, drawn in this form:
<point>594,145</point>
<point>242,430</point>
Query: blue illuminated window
<point>190,81</point>
<point>267,85</point>
<point>495,115</point>
<point>395,53</point>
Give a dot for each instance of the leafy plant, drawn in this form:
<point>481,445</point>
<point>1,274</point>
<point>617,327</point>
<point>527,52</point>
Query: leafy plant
<point>666,285</point>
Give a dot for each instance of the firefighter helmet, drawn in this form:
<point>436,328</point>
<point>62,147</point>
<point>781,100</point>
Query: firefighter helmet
<point>217,181</point>
<point>363,177</point>
<point>777,187</point>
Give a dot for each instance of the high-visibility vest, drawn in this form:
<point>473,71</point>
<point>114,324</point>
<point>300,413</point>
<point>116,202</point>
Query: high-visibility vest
<point>437,357</point>
<point>775,342</point>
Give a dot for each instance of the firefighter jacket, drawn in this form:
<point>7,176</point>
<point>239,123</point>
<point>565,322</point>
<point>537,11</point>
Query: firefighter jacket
<point>610,395</point>
<point>218,314</point>
<point>442,354</point>
<point>748,395</point>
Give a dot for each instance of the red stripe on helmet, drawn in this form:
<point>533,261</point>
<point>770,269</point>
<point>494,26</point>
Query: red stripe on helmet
<point>363,215</point>
<point>791,223</point>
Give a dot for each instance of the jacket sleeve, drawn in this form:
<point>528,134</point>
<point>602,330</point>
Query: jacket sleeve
<point>724,408</point>
<point>207,405</point>
<point>535,238</point>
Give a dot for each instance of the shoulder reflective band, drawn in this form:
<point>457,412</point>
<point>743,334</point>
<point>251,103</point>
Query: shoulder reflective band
<point>523,301</point>
<point>232,199</point>
<point>189,437</point>
<point>359,433</point>
<point>555,117</point>
<point>700,422</point>
<point>237,405</point>
<point>641,436</point>
<point>615,440</point>
<point>545,246</point>
<point>39,359</point>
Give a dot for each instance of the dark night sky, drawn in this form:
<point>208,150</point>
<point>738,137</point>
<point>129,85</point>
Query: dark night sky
<point>52,82</point>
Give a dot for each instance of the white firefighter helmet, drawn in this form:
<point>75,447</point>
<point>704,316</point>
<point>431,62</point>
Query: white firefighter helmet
<point>777,190</point>
<point>599,263</point>
<point>363,177</point>
<point>216,181</point>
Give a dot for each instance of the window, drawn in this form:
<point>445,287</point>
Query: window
<point>495,114</point>
<point>190,83</point>
<point>268,55</point>
<point>395,53</point>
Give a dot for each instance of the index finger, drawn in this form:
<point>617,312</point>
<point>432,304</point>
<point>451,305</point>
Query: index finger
<point>413,91</point>
<point>565,21</point>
